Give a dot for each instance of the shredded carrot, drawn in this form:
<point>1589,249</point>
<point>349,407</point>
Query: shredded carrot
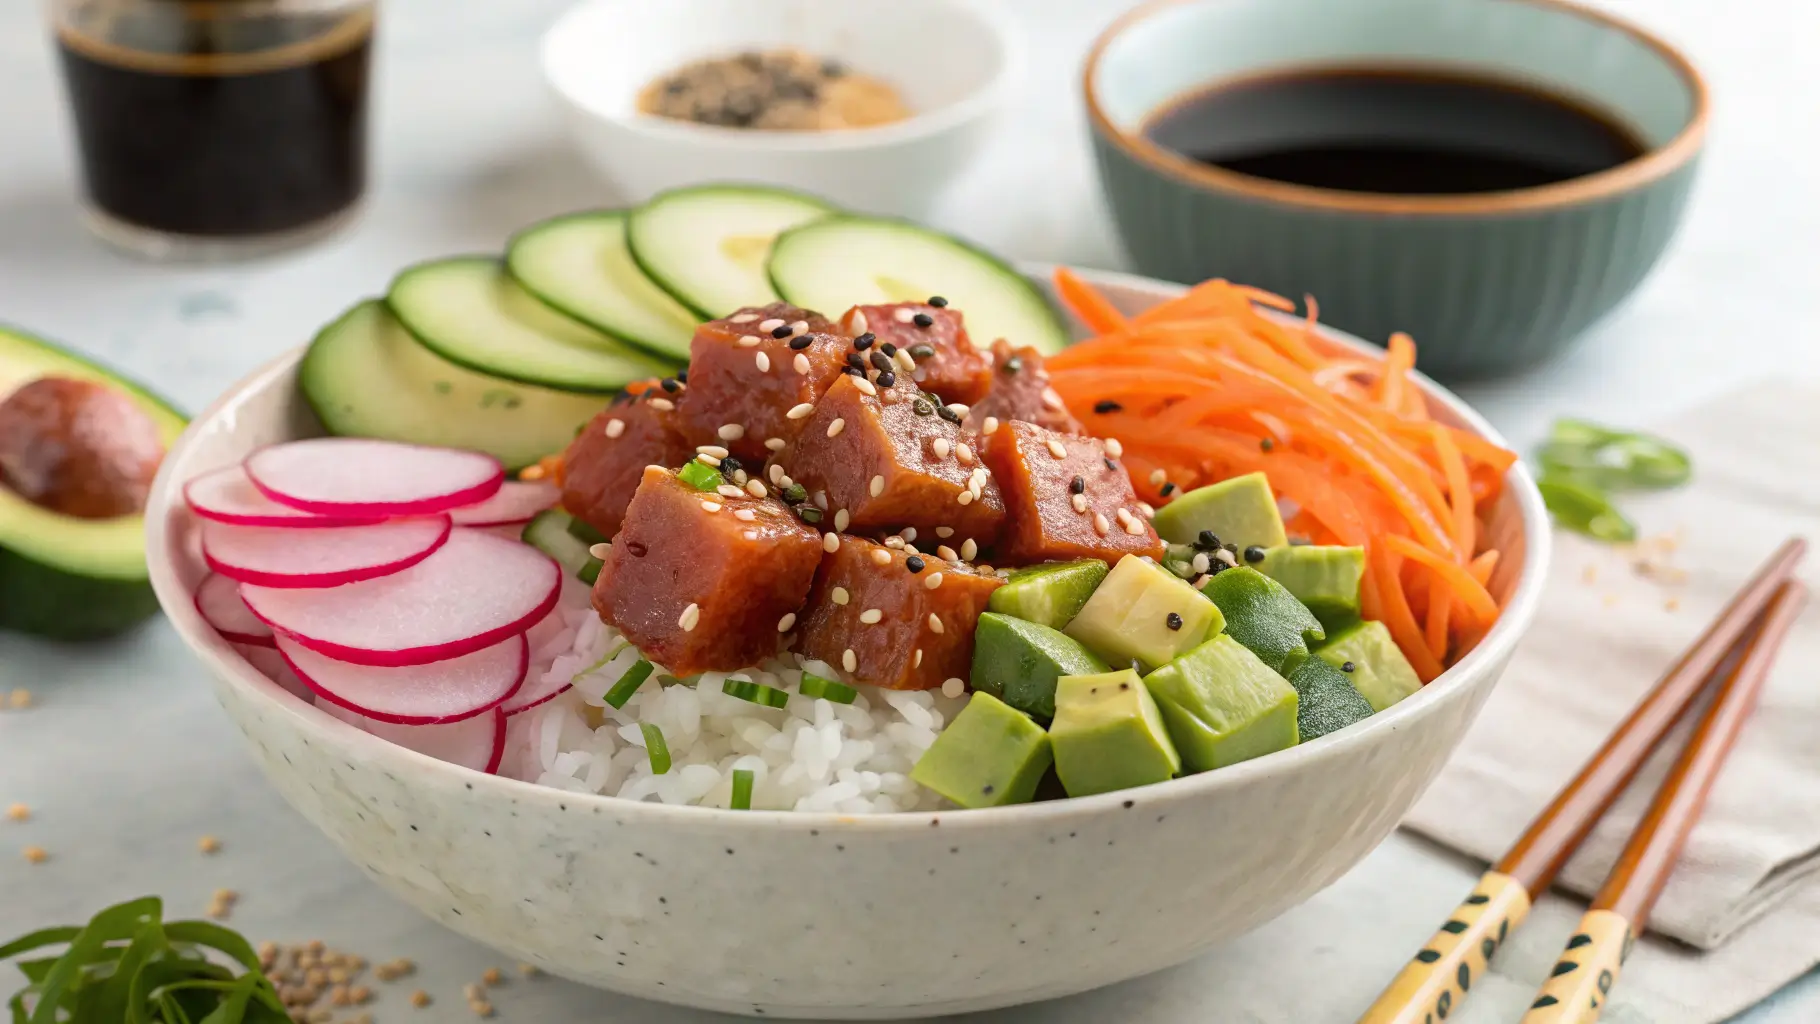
<point>1216,383</point>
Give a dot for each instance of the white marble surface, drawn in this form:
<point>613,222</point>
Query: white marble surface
<point>126,761</point>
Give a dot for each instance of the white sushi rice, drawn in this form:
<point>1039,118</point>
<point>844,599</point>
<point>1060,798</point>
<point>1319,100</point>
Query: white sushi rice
<point>810,755</point>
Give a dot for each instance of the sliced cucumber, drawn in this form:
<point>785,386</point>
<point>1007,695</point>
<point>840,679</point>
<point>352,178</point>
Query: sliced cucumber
<point>365,376</point>
<point>707,244</point>
<point>548,532</point>
<point>469,311</point>
<point>580,265</point>
<point>851,260</point>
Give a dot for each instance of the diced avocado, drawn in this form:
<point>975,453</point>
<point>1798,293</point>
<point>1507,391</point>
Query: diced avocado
<point>1222,705</point>
<point>1325,579</point>
<point>991,754</point>
<point>1327,700</point>
<point>1141,613</point>
<point>1108,734</point>
<point>1264,616</point>
<point>1379,669</point>
<point>1240,511</point>
<point>1019,662</point>
<point>1048,594</point>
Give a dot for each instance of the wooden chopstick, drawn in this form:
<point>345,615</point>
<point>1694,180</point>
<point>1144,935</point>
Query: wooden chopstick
<point>1434,983</point>
<point>1582,979</point>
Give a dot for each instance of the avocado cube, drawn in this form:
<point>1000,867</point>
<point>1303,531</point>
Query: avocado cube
<point>1142,613</point>
<point>1379,670</point>
<point>1108,734</point>
<point>991,754</point>
<point>1325,579</point>
<point>1049,594</point>
<point>1019,662</point>
<point>1222,705</point>
<point>1261,614</point>
<point>1326,700</point>
<point>1241,511</point>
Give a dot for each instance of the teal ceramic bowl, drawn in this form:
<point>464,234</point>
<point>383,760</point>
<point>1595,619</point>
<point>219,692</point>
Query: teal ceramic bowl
<point>1487,283</point>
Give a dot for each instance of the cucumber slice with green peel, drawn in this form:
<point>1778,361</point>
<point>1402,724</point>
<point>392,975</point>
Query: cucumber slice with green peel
<point>365,376</point>
<point>469,311</point>
<point>548,532</point>
<point>707,245</point>
<point>850,260</point>
<point>580,265</point>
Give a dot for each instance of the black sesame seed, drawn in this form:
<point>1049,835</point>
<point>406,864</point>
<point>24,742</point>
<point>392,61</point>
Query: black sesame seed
<point>1112,465</point>
<point>888,349</point>
<point>833,68</point>
<point>1173,621</point>
<point>922,408</point>
<point>1266,444</point>
<point>730,466</point>
<point>1348,667</point>
<point>802,341</point>
<point>672,385</point>
<point>987,789</point>
<point>882,361</point>
<point>1168,488</point>
<point>781,332</point>
<point>1078,485</point>
<point>853,371</point>
<point>1254,554</point>
<point>682,375</point>
<point>922,351</point>
<point>937,301</point>
<point>1207,539</point>
<point>810,513</point>
<point>855,360</point>
<point>796,494</point>
<point>948,414</point>
<point>922,320</point>
<point>914,564</point>
<point>864,341</point>
<point>1106,405</point>
<point>1012,365</point>
<point>887,379</point>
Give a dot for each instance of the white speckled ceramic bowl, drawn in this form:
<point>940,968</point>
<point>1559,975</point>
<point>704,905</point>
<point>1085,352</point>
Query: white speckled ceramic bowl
<point>819,915</point>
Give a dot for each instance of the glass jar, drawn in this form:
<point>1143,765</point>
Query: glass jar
<point>211,129</point>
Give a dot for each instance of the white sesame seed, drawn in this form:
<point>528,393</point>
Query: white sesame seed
<point>661,404</point>
<point>1133,525</point>
<point>903,314</point>
<point>712,449</point>
<point>958,409</point>
<point>616,427</point>
<point>947,552</point>
<point>910,549</point>
<point>755,489</point>
<point>600,551</point>
<point>952,687</point>
<point>1200,564</point>
<point>836,427</point>
<point>708,460</point>
<point>801,363</point>
<point>916,660</point>
<point>941,446</point>
<point>745,515</point>
<point>771,325</point>
<point>727,491</point>
<point>965,497</point>
<point>944,532</point>
<point>841,519</point>
<point>877,486</point>
<point>740,478</point>
<point>784,624</point>
<point>969,549</point>
<point>933,580</point>
<point>742,318</point>
<point>894,542</point>
<point>870,616</point>
<point>763,362</point>
<point>881,556</point>
<point>908,533</point>
<point>1226,556</point>
<point>1124,516</point>
<point>1079,501</point>
<point>776,474</point>
<point>904,363</point>
<point>865,386</point>
<point>848,661</point>
<point>990,426</point>
<point>1051,399</point>
<point>691,616</point>
<point>731,431</point>
<point>830,542</point>
<point>935,624</point>
<point>1100,526</point>
<point>799,411</point>
<point>776,444</point>
<point>1158,478</point>
<point>1147,510</point>
<point>749,341</point>
<point>839,595</point>
<point>856,321</point>
<point>710,506</point>
<point>964,453</point>
<point>1057,449</point>
<point>750,534</point>
<point>799,327</point>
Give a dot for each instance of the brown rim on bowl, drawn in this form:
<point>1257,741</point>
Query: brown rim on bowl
<point>1652,165</point>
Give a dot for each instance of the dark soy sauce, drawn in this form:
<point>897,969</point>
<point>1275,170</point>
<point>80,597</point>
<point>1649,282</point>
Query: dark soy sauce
<point>1408,132</point>
<point>241,127</point>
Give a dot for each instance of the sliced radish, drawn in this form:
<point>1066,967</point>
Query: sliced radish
<point>218,602</point>
<point>516,501</point>
<point>478,743</point>
<point>535,691</point>
<point>227,495</point>
<point>361,476</point>
<point>271,665</point>
<point>442,691</point>
<point>277,556</point>
<point>473,592</point>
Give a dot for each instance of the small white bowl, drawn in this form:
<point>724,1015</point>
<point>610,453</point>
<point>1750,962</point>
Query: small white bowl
<point>953,62</point>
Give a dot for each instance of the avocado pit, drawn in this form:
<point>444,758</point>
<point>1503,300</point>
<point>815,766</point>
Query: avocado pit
<point>78,448</point>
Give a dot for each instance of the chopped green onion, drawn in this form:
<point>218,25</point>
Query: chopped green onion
<point>757,693</point>
<point>827,689</point>
<point>1585,510</point>
<point>1601,457</point>
<point>629,683</point>
<point>586,534</point>
<point>700,476</point>
<point>590,570</point>
<point>609,656</point>
<point>656,747</point>
<point>742,789</point>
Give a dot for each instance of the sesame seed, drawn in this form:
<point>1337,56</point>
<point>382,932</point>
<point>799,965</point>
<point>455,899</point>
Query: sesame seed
<point>882,362</point>
<point>742,318</point>
<point>887,379</point>
<point>830,542</point>
<point>865,386</point>
<point>1168,488</point>
<point>745,515</point>
<point>1100,526</point>
<point>728,491</point>
<point>776,444</point>
<point>1157,477</point>
<point>616,427</point>
<point>836,427</point>
<point>800,363</point>
<point>1012,365</point>
<point>870,616</point>
<point>922,351</point>
<point>420,999</point>
<point>771,325</point>
<point>935,624</point>
<point>208,844</point>
<point>916,659</point>
<point>922,320</point>
<point>1106,405</point>
<point>1051,399</point>
<point>908,533</point>
<point>1254,554</point>
<point>933,581</point>
<point>937,301</point>
<point>799,327</point>
<point>876,487</point>
<point>838,595</point>
<point>958,410</point>
<point>493,976</point>
<point>784,624</point>
<point>1174,621</point>
<point>964,498</point>
<point>947,552</point>
<point>990,426</point>
<point>473,990</point>
<point>1225,557</point>
<point>1200,563</point>
<point>711,449</point>
<point>944,531</point>
<point>708,460</point>
<point>903,315</point>
<point>940,445</point>
<point>881,556</point>
<point>953,687</point>
<point>969,549</point>
<point>800,342</point>
<point>964,453</point>
<point>841,519</point>
<point>848,661</point>
<point>749,341</point>
<point>1057,449</point>
<point>35,855</point>
<point>1114,447</point>
<point>755,489</point>
<point>1078,485</point>
<point>799,411</point>
<point>894,542</point>
<point>914,564</point>
<point>662,404</point>
<point>19,812</point>
<point>731,431</point>
<point>1111,465</point>
<point>775,473</point>
<point>1347,666</point>
<point>763,362</point>
<point>690,618</point>
<point>1133,525</point>
<point>904,363</point>
<point>863,342</point>
<point>856,321</point>
<point>532,472</point>
<point>601,550</point>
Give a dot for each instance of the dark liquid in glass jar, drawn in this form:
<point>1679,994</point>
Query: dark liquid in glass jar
<point>236,127</point>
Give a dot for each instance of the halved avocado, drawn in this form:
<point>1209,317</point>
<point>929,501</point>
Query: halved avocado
<point>61,576</point>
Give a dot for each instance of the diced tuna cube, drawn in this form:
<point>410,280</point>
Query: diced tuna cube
<point>1064,498</point>
<point>947,363</point>
<point>700,581</point>
<point>894,458</point>
<point>1020,391</point>
<point>744,380</point>
<point>606,460</point>
<point>875,617</point>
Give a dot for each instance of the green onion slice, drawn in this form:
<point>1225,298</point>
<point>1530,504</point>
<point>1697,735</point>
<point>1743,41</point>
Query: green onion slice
<point>827,689</point>
<point>586,534</point>
<point>656,747</point>
<point>742,789</point>
<point>1586,510</point>
<point>617,650</point>
<point>1600,457</point>
<point>699,476</point>
<point>757,693</point>
<point>629,683</point>
<point>589,571</point>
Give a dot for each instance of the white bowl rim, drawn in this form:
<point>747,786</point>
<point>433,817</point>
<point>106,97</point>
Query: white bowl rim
<point>979,103</point>
<point>1514,621</point>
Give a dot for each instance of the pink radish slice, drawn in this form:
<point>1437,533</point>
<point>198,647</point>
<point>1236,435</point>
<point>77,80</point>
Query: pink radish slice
<point>227,495</point>
<point>271,665</point>
<point>535,690</point>
<point>361,476</point>
<point>516,501</point>
<point>442,691</point>
<point>473,592</point>
<point>276,556</point>
<point>218,602</point>
<point>533,693</point>
<point>478,743</point>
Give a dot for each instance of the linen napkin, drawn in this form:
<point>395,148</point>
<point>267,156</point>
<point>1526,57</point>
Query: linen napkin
<point>1737,920</point>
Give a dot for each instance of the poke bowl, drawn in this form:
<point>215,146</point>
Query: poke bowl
<point>802,903</point>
